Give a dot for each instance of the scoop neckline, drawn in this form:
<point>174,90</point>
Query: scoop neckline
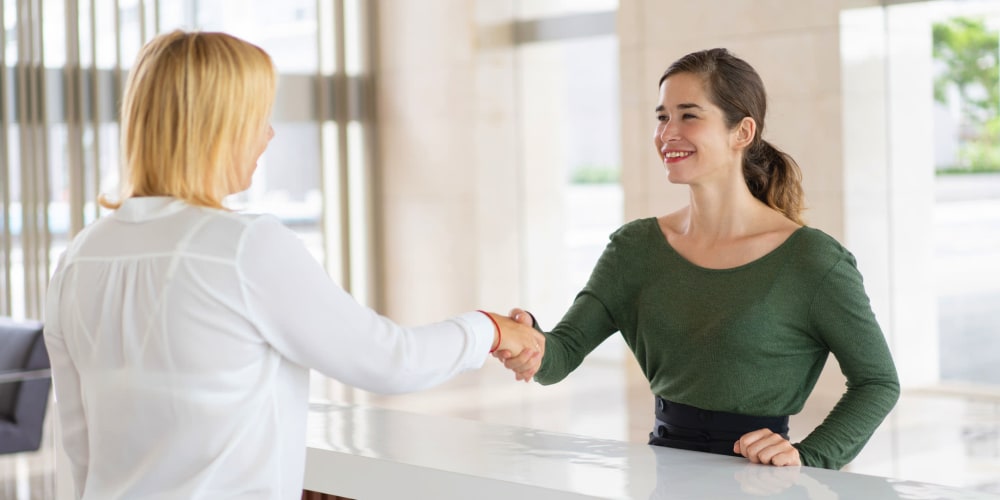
<point>663,238</point>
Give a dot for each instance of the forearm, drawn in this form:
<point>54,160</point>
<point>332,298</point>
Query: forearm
<point>582,329</point>
<point>850,425</point>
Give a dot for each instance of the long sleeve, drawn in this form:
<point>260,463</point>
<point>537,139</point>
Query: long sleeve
<point>66,382</point>
<point>842,317</point>
<point>588,322</point>
<point>310,320</point>
<point>181,338</point>
<point>582,329</point>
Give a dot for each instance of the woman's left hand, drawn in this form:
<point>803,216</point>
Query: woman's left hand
<point>764,446</point>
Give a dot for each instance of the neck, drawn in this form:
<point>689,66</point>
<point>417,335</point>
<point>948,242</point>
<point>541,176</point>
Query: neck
<point>723,211</point>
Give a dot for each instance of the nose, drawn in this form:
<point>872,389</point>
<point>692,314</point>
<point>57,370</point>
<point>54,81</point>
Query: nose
<point>270,132</point>
<point>668,131</point>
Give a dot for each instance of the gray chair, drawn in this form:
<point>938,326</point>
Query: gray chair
<point>24,385</point>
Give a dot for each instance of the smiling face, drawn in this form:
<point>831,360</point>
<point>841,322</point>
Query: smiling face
<point>691,136</point>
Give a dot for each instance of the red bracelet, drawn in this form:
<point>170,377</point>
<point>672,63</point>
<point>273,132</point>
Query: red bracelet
<point>499,331</point>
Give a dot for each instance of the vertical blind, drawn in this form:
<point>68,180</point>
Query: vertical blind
<point>64,63</point>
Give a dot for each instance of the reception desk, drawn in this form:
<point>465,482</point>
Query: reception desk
<point>370,454</point>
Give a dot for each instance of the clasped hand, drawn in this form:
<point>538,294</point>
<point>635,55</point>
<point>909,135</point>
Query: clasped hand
<point>521,347</point>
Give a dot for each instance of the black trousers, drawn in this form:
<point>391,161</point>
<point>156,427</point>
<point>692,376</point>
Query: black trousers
<point>689,428</point>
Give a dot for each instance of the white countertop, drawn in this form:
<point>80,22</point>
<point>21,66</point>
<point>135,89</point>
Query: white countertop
<point>370,454</point>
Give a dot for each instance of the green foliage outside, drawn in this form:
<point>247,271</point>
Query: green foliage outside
<point>594,174</point>
<point>969,54</point>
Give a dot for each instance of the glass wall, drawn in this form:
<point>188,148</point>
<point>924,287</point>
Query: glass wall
<point>921,84</point>
<point>569,135</point>
<point>965,37</point>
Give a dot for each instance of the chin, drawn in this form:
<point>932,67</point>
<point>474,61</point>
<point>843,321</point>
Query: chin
<point>675,178</point>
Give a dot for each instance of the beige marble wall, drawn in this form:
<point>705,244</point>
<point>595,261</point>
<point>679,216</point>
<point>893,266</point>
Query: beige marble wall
<point>447,176</point>
<point>795,48</point>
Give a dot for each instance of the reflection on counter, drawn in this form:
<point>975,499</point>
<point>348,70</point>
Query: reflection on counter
<point>373,453</point>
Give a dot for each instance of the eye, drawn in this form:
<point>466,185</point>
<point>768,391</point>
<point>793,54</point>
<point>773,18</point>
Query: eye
<point>661,118</point>
<point>688,115</point>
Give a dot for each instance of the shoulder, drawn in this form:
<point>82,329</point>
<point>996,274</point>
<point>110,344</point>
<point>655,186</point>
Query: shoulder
<point>224,234</point>
<point>246,229</point>
<point>636,230</point>
<point>819,252</point>
<point>818,243</point>
<point>234,224</point>
<point>94,231</point>
<point>632,238</point>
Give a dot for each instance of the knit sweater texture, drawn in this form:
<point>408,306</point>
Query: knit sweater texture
<point>752,339</point>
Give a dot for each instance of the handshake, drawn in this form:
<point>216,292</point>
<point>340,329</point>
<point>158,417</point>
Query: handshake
<point>521,347</point>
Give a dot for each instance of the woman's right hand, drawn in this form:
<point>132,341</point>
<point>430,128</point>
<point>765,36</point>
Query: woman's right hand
<point>525,363</point>
<point>521,347</point>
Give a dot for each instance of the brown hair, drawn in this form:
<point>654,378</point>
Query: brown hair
<point>193,106</point>
<point>735,87</point>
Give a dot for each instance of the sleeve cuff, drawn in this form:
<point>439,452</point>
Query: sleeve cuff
<point>481,330</point>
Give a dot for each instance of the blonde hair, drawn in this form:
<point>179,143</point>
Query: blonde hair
<point>194,105</point>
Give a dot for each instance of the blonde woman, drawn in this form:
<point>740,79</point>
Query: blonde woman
<point>181,334</point>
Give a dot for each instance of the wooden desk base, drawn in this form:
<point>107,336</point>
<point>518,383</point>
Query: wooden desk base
<point>312,495</point>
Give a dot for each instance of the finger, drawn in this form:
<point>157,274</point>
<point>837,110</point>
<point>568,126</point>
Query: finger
<point>766,453</point>
<point>528,374</point>
<point>503,354</point>
<point>764,449</point>
<point>521,356</point>
<point>530,365</point>
<point>745,445</point>
<point>745,440</point>
<point>526,360</point>
<point>521,316</point>
<point>772,450</point>
<point>526,366</point>
<point>787,458</point>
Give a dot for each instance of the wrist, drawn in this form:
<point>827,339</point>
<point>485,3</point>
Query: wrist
<point>497,336</point>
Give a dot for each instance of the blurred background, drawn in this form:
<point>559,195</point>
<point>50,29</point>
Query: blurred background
<point>447,155</point>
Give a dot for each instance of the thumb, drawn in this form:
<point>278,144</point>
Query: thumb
<point>521,316</point>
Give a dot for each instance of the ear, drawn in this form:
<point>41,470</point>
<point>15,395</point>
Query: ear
<point>743,133</point>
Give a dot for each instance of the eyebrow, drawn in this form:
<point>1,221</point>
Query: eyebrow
<point>686,105</point>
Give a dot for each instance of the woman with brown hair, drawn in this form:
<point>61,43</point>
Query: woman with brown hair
<point>731,304</point>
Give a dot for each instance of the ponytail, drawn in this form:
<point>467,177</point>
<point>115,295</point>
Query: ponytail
<point>774,178</point>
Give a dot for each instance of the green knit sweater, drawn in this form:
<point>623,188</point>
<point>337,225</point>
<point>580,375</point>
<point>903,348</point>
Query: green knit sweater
<point>751,339</point>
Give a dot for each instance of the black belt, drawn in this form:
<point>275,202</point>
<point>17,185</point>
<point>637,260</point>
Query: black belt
<point>689,428</point>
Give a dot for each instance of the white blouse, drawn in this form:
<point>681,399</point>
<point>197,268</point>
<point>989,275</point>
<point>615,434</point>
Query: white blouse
<point>181,340</point>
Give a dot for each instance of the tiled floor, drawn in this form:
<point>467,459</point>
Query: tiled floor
<point>942,435</point>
